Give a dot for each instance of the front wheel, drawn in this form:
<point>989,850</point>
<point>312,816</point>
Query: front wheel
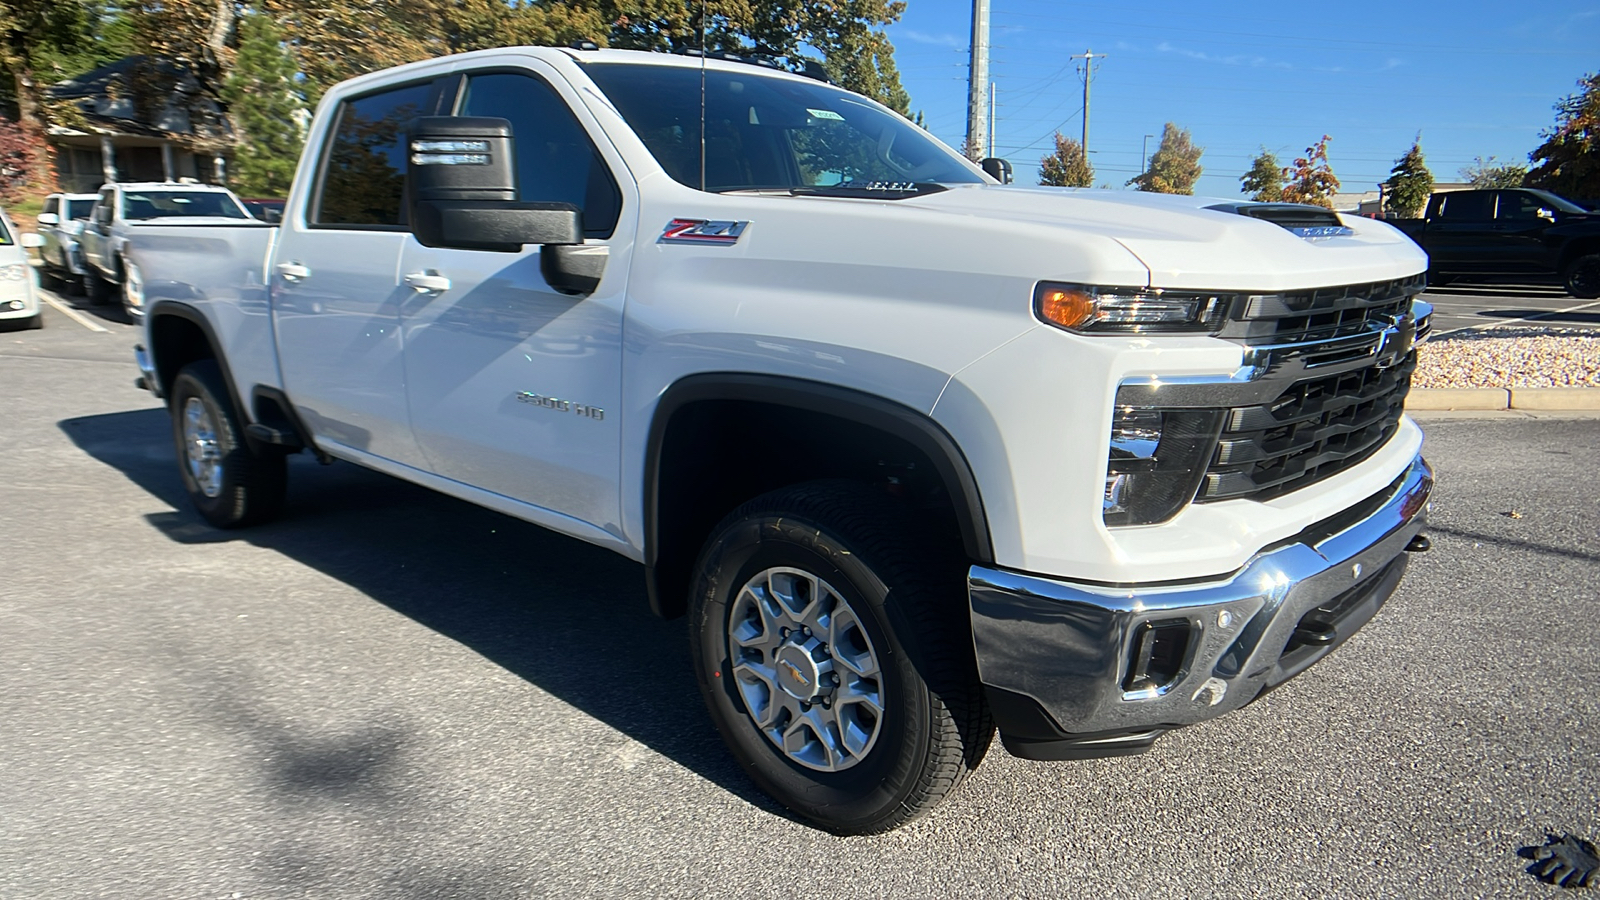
<point>96,289</point>
<point>230,485</point>
<point>833,653</point>
<point>1583,277</point>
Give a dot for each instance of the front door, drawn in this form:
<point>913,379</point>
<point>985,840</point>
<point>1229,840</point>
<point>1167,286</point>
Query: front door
<point>515,388</point>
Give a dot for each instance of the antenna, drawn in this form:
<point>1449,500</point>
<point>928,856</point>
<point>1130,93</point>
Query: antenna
<point>702,95</point>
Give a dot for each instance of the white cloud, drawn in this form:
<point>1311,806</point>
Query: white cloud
<point>938,40</point>
<point>1238,59</point>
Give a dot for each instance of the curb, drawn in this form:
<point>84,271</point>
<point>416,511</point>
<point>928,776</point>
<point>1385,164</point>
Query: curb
<point>1544,399</point>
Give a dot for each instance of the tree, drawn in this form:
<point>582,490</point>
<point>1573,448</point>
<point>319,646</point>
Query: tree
<point>1410,183</point>
<point>45,41</point>
<point>1264,181</point>
<point>1067,166</point>
<point>1175,167</point>
<point>1488,173</point>
<point>1568,162</point>
<point>266,110</point>
<point>1311,179</point>
<point>22,161</point>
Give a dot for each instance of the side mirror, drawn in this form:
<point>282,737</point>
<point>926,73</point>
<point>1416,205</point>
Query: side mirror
<point>31,240</point>
<point>462,189</point>
<point>998,169</point>
<point>1549,215</point>
<point>49,219</point>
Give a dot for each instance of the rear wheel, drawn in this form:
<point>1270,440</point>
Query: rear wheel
<point>95,288</point>
<point>833,652</point>
<point>1583,277</point>
<point>230,485</point>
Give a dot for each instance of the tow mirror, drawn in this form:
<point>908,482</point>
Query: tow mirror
<point>49,219</point>
<point>462,189</point>
<point>998,169</point>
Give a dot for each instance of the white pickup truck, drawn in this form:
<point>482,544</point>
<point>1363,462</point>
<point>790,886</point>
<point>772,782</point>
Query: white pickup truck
<point>920,454</point>
<point>126,213</point>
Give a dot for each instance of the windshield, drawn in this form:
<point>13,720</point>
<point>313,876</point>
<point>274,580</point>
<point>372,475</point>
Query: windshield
<point>1558,202</point>
<point>159,204</point>
<point>771,133</point>
<point>5,236</point>
<point>79,209</point>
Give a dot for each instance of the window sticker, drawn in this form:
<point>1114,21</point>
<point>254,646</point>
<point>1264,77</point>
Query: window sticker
<point>825,114</point>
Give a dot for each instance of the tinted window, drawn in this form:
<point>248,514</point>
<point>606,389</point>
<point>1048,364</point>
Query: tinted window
<point>1467,206</point>
<point>79,209</point>
<point>365,170</point>
<point>770,132</point>
<point>1518,206</point>
<point>556,161</point>
<point>50,204</point>
<point>138,205</point>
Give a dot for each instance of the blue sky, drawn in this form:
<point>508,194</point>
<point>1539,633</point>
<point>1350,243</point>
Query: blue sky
<point>1475,78</point>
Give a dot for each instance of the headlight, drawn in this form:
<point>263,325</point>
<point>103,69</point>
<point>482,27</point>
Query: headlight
<point>1087,309</point>
<point>14,272</point>
<point>1157,459</point>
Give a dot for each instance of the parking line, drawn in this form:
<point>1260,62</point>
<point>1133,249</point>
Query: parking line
<point>75,316</point>
<point>1533,318</point>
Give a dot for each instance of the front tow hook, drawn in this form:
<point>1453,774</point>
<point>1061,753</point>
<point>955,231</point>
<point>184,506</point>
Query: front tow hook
<point>1419,544</point>
<point>1312,633</point>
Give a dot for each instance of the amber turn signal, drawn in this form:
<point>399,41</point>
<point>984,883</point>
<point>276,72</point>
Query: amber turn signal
<point>1067,308</point>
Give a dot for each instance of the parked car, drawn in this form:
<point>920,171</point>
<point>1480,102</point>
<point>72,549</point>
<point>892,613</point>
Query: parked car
<point>60,223</point>
<point>122,211</point>
<point>1514,233</point>
<point>919,453</point>
<point>19,299</point>
<point>266,210</point>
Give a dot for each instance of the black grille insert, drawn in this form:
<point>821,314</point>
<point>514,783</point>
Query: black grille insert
<point>1320,313</point>
<point>1316,428</point>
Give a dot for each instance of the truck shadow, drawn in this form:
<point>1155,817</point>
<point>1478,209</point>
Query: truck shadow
<point>563,615</point>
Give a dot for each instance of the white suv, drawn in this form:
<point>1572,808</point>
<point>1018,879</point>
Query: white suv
<point>19,301</point>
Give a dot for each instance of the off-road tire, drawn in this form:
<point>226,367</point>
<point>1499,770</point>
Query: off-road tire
<point>1582,278</point>
<point>910,601</point>
<point>253,484</point>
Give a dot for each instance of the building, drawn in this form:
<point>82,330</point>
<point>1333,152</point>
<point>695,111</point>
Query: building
<point>138,119</point>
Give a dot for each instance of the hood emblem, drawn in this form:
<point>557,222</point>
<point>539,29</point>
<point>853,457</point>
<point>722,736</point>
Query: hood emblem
<point>1322,232</point>
<point>702,231</point>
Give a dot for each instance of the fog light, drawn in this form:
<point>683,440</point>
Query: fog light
<point>15,304</point>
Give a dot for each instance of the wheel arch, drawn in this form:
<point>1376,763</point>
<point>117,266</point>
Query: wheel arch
<point>678,515</point>
<point>180,334</point>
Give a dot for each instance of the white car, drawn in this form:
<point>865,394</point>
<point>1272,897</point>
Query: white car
<point>19,297</point>
<point>60,223</point>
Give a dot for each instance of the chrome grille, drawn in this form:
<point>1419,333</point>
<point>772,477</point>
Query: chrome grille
<point>1315,428</point>
<point>1321,313</point>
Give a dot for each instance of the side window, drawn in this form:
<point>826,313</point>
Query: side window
<point>364,173</point>
<point>51,204</point>
<point>1517,206</point>
<point>103,206</point>
<point>1467,206</point>
<point>556,161</point>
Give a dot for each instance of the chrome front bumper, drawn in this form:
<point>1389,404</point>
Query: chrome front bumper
<point>1055,656</point>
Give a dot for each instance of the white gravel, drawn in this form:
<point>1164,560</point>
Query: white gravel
<point>1513,357</point>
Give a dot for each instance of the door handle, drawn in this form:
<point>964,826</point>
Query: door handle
<point>293,271</point>
<point>429,282</point>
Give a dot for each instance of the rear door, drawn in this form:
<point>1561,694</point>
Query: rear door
<point>1461,238</point>
<point>1521,220</point>
<point>336,293</point>
<point>514,387</point>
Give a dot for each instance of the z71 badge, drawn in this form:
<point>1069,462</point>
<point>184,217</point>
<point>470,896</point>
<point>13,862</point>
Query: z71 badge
<point>702,231</point>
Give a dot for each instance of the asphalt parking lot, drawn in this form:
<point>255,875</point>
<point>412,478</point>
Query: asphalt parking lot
<point>1459,306</point>
<point>390,693</point>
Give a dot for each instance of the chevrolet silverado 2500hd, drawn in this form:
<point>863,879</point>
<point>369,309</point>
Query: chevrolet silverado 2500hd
<point>918,453</point>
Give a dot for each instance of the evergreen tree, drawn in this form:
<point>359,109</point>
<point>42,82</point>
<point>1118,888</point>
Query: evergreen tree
<point>1067,166</point>
<point>1175,167</point>
<point>266,109</point>
<point>1311,179</point>
<point>1568,162</point>
<point>1264,181</point>
<point>1491,173</point>
<point>1410,183</point>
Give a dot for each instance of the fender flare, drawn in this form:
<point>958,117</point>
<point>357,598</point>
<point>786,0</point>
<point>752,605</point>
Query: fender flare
<point>896,419</point>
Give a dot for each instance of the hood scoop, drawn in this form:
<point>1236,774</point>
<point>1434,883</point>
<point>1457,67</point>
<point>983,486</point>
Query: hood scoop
<point>1303,220</point>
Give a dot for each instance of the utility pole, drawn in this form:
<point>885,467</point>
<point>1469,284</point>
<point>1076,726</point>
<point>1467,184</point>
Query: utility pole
<point>978,81</point>
<point>1088,58</point>
<point>990,150</point>
<point>1144,153</point>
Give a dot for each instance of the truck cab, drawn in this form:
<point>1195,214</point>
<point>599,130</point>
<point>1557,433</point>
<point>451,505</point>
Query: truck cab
<point>1510,234</point>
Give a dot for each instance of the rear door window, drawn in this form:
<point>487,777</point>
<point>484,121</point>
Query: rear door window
<point>1468,206</point>
<point>364,170</point>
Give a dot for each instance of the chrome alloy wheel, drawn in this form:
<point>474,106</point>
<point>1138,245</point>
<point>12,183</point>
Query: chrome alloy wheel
<point>201,447</point>
<point>806,669</point>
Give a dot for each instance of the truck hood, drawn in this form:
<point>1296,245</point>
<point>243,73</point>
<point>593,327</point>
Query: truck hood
<point>1184,244</point>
